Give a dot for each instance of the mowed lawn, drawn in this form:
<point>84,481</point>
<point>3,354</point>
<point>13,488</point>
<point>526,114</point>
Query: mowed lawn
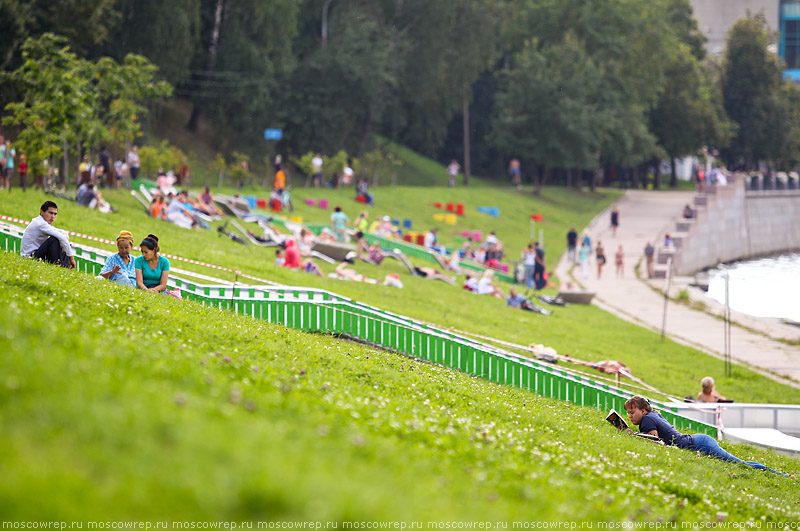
<point>124,405</point>
<point>584,332</point>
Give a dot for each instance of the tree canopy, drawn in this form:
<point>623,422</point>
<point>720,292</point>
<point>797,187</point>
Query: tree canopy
<point>564,85</point>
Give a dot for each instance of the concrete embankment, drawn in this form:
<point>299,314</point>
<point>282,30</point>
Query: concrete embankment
<point>733,223</point>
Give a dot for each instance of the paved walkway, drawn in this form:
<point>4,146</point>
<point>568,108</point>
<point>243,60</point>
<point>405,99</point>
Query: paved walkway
<point>646,216</point>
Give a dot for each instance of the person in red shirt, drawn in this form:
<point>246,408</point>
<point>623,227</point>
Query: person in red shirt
<point>23,172</point>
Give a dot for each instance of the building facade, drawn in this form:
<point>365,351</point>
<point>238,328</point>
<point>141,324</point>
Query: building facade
<point>716,17</point>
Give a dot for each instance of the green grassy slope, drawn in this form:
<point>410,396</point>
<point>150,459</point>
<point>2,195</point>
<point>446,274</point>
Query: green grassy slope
<point>120,404</point>
<point>585,332</point>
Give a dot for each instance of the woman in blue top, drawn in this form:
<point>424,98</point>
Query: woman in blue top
<point>651,422</point>
<point>152,270</point>
<point>119,267</point>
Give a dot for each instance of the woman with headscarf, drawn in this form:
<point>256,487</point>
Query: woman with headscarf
<point>119,267</point>
<point>152,270</point>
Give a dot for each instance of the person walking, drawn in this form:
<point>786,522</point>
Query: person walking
<point>133,162</point>
<point>619,260</point>
<point>572,244</point>
<point>649,256</point>
<point>452,173</point>
<point>600,254</point>
<point>583,259</point>
<point>515,173</point>
<point>614,221</point>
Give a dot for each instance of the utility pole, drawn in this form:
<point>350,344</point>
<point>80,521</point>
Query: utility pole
<point>467,169</point>
<point>325,22</point>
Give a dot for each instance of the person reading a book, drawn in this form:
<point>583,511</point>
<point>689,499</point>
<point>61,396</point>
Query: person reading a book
<point>651,422</point>
<point>708,394</point>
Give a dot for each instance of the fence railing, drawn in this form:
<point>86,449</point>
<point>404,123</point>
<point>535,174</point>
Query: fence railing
<point>320,311</point>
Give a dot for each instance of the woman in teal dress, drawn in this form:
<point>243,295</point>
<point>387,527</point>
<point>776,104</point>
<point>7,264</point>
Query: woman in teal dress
<point>152,270</point>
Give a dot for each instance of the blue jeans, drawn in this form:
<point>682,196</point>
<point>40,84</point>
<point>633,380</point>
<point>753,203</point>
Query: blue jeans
<point>529,275</point>
<point>708,446</point>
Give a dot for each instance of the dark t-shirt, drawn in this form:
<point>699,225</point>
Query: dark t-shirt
<point>540,256</point>
<point>572,238</point>
<point>649,251</point>
<point>668,434</point>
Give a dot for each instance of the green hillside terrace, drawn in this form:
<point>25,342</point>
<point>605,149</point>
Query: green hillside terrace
<point>122,404</point>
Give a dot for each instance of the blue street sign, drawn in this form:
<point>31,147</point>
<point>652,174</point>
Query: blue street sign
<point>273,134</point>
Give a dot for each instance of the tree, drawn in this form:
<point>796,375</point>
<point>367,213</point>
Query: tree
<point>687,116</point>
<point>55,98</point>
<point>244,53</point>
<point>68,101</point>
<point>121,91</point>
<point>547,108</point>
<point>750,84</point>
<point>167,33</point>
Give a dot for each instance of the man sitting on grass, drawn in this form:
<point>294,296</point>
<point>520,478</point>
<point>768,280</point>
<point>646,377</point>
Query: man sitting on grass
<point>44,242</point>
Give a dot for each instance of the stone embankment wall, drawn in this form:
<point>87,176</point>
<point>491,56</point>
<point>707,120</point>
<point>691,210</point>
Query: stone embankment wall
<point>734,224</point>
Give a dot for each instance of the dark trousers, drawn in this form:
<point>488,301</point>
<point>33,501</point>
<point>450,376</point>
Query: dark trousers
<point>538,276</point>
<point>50,251</point>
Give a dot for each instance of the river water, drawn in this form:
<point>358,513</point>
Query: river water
<point>769,287</point>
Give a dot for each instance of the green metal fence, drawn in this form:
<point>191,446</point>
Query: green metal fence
<point>321,311</point>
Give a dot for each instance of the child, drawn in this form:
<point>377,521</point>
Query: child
<point>641,414</point>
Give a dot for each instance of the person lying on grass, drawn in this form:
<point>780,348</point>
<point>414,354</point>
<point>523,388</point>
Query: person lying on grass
<point>152,270</point>
<point>343,272</point>
<point>119,267</point>
<point>44,242</point>
<point>651,422</point>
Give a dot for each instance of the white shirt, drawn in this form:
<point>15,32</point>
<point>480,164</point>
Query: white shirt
<point>430,239</point>
<point>530,257</point>
<point>317,162</point>
<point>37,232</point>
<point>491,238</point>
<point>133,159</point>
<point>485,286</point>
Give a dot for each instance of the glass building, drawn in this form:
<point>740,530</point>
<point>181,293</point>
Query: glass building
<point>789,45</point>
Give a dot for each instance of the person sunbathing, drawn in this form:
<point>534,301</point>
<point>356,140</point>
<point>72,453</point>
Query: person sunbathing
<point>606,366</point>
<point>344,273</point>
<point>431,273</point>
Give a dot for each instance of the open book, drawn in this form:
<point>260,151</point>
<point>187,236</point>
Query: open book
<point>616,420</point>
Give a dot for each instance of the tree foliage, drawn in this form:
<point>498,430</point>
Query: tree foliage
<point>567,85</point>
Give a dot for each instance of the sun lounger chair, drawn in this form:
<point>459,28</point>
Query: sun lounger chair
<point>250,238</point>
<point>144,203</point>
<point>576,297</point>
<point>341,252</point>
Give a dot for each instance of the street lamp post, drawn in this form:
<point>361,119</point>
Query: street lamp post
<point>325,21</point>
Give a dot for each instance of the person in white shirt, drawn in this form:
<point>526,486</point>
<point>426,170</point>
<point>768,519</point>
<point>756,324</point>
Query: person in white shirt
<point>430,239</point>
<point>44,242</point>
<point>317,162</point>
<point>133,162</point>
<point>452,172</point>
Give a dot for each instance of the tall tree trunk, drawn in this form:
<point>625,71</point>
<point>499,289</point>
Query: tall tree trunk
<point>568,178</point>
<point>673,182</point>
<point>467,166</point>
<point>197,109</point>
<point>634,177</point>
<point>64,179</point>
<point>657,176</point>
<point>539,178</point>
